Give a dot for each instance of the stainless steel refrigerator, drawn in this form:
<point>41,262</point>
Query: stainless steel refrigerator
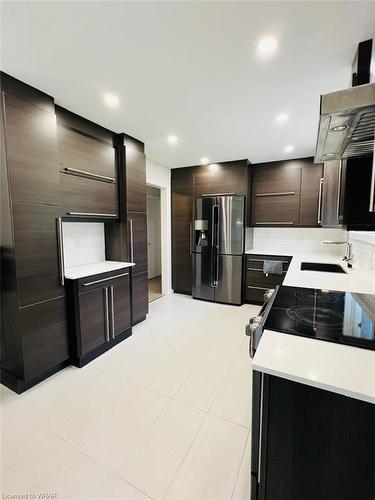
<point>218,248</point>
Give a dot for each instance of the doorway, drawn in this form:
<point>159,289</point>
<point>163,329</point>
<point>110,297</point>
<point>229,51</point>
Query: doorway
<point>154,243</point>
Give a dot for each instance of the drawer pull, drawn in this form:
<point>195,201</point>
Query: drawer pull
<point>60,240</point>
<point>91,214</point>
<point>259,270</point>
<point>262,260</point>
<point>218,194</point>
<point>280,193</point>
<point>84,173</point>
<point>257,287</point>
<point>286,223</point>
<point>105,279</point>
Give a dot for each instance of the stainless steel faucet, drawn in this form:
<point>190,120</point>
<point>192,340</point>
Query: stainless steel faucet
<point>349,257</point>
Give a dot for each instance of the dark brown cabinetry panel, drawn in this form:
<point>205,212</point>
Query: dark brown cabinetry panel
<point>311,195</point>
<point>276,210</point>
<point>135,175</point>
<point>316,444</point>
<point>182,219</point>
<point>88,196</point>
<point>44,334</point>
<point>139,297</point>
<point>86,153</point>
<point>120,305</point>
<point>31,148</point>
<point>138,241</point>
<point>227,177</point>
<point>94,324</point>
<point>277,178</point>
<point>38,274</point>
<point>258,283</point>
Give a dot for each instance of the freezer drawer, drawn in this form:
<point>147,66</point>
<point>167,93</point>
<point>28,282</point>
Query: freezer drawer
<point>202,277</point>
<point>230,279</point>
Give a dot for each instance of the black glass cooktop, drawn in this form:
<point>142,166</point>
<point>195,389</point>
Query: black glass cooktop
<point>342,317</point>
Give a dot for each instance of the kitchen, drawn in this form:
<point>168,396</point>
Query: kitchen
<point>253,374</point>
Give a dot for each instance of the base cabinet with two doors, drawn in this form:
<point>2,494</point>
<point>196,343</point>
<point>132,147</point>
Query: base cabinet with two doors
<point>101,313</point>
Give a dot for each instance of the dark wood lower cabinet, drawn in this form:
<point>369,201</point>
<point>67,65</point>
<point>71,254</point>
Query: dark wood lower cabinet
<point>182,267</point>
<point>139,297</point>
<point>257,283</point>
<point>99,307</point>
<point>44,332</point>
<point>315,445</point>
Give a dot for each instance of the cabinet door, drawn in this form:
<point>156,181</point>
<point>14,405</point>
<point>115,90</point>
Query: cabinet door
<point>135,175</point>
<point>311,195</point>
<point>94,319</point>
<point>37,265</point>
<point>278,210</point>
<point>139,297</point>
<point>228,177</point>
<point>120,305</point>
<point>31,146</point>
<point>182,208</point>
<point>81,152</point>
<point>88,196</point>
<point>44,332</point>
<point>275,178</point>
<point>137,224</point>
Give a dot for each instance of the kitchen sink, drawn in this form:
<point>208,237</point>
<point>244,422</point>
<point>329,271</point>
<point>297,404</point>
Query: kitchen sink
<point>327,268</point>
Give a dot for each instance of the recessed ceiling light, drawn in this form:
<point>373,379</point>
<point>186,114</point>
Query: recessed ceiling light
<point>267,46</point>
<point>330,155</point>
<point>282,118</point>
<point>111,100</point>
<point>289,148</point>
<point>204,161</point>
<point>339,128</point>
<point>172,139</point>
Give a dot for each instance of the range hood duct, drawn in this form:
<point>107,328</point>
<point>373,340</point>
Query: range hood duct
<point>347,117</point>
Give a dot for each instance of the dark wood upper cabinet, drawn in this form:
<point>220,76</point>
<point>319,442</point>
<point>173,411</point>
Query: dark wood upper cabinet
<point>88,196</point>
<point>80,154</point>
<point>31,149</point>
<point>44,332</point>
<point>286,193</point>
<point>226,177</point>
<point>135,175</point>
<point>311,195</point>
<point>182,219</point>
<point>36,253</point>
<point>137,223</point>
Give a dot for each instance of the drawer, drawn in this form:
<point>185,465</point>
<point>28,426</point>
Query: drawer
<point>259,278</point>
<point>255,294</point>
<point>88,197</point>
<point>102,279</point>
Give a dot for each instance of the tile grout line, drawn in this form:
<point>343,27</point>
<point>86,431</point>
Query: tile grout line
<point>239,468</point>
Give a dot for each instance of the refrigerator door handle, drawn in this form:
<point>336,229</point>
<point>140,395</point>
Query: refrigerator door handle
<point>215,245</point>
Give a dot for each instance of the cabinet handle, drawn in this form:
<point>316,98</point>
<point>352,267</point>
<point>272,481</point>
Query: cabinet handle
<point>257,287</point>
<point>106,314</point>
<point>259,270</point>
<point>320,200</point>
<point>372,187</point>
<point>91,214</point>
<point>277,223</point>
<point>84,173</point>
<point>60,241</point>
<point>218,194</point>
<point>105,279</point>
<point>260,427</point>
<point>279,193</point>
<point>131,240</point>
<point>112,312</point>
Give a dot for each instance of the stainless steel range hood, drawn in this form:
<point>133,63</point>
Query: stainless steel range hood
<point>347,123</point>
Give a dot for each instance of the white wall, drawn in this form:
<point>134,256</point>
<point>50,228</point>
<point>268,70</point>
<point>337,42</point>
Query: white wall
<point>363,250</point>
<point>83,243</point>
<point>160,176</point>
<point>298,239</point>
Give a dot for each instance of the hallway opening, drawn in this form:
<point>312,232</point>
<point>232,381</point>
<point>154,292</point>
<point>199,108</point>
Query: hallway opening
<point>154,243</point>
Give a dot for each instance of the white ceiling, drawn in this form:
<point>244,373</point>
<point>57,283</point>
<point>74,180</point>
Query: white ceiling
<point>190,69</point>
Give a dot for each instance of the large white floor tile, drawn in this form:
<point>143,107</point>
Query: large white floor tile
<point>161,450</point>
<point>202,385</point>
<point>242,486</point>
<point>211,466</point>
<point>233,401</point>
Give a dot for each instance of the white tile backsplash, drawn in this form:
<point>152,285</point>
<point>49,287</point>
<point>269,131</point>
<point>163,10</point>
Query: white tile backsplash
<point>84,243</point>
<point>297,239</point>
<point>363,249</point>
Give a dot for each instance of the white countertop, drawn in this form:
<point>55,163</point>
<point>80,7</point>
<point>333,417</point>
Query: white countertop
<point>75,272</point>
<point>355,280</point>
<point>345,370</point>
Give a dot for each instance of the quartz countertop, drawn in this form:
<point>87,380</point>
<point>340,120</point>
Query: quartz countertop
<point>76,272</point>
<point>354,280</point>
<point>345,370</point>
